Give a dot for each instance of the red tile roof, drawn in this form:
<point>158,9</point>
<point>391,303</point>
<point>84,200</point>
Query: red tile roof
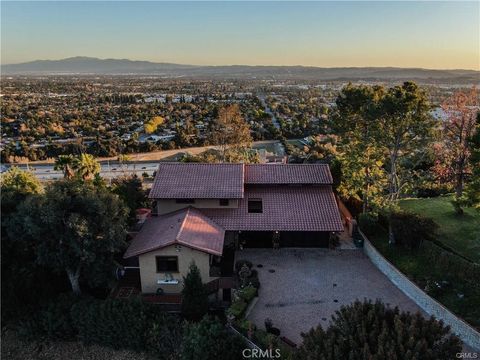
<point>188,227</point>
<point>198,181</point>
<point>288,174</point>
<point>285,208</point>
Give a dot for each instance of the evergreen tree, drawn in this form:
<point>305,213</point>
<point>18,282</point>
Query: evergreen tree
<point>194,295</point>
<point>366,330</point>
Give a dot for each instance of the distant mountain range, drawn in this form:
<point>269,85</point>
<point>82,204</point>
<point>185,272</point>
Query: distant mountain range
<point>95,66</point>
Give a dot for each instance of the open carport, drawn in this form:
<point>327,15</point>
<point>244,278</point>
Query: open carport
<point>298,239</point>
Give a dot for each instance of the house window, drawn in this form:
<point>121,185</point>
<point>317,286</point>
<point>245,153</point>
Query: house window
<point>224,202</point>
<point>255,206</point>
<point>185,201</point>
<point>167,263</point>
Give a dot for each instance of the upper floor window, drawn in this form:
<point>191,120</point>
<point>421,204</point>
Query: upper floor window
<point>185,201</point>
<point>224,202</point>
<point>255,206</point>
<point>167,263</point>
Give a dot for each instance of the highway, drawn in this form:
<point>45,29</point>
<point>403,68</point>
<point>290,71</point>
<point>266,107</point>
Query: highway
<point>140,163</point>
<point>45,172</point>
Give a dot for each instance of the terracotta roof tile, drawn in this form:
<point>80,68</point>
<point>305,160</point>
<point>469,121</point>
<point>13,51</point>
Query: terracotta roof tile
<point>187,227</point>
<point>198,181</point>
<point>285,208</point>
<point>288,174</point>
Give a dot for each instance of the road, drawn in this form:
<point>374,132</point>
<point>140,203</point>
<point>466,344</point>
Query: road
<point>139,164</point>
<point>268,111</point>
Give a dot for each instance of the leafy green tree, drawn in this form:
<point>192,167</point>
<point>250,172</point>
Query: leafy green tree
<point>20,182</point>
<point>76,228</point>
<point>130,190</point>
<point>20,275</point>
<point>364,330</point>
<point>194,295</point>
<point>405,125</point>
<point>355,120</point>
<point>65,164</point>
<point>210,340</point>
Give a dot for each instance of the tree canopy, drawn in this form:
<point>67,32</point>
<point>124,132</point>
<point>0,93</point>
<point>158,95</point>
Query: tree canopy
<point>74,227</point>
<point>210,340</point>
<point>231,133</point>
<point>366,330</point>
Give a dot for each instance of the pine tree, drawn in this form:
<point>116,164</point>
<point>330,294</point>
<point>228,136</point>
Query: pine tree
<point>194,295</point>
<point>366,330</point>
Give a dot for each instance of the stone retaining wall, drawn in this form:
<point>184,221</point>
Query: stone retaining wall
<point>463,330</point>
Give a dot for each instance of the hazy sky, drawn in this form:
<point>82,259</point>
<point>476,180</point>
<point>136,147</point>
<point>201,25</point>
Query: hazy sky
<point>330,34</point>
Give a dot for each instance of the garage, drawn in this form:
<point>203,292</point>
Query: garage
<point>298,239</point>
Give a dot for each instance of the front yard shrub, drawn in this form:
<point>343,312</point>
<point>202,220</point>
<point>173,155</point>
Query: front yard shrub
<point>127,324</point>
<point>210,340</point>
<point>163,335</point>
<point>253,280</point>
<point>237,308</point>
<point>375,331</point>
<point>115,323</point>
<point>411,230</point>
<point>240,263</point>
<point>247,293</point>
<point>368,223</point>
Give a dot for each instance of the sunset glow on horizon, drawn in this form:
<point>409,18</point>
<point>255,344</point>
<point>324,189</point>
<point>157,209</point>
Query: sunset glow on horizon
<point>434,35</point>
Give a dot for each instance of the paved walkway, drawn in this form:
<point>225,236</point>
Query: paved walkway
<point>308,285</point>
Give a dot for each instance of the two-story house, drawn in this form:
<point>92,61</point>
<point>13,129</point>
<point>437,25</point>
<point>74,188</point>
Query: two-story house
<point>206,212</point>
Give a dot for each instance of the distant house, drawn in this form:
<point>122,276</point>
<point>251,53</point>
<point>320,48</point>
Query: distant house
<point>206,212</point>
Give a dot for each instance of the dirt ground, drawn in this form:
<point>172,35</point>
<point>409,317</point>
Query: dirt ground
<point>15,349</point>
<point>157,155</point>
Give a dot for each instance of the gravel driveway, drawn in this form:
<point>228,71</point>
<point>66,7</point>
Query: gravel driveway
<point>308,285</point>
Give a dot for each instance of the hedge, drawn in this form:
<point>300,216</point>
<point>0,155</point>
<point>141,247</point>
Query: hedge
<point>117,323</point>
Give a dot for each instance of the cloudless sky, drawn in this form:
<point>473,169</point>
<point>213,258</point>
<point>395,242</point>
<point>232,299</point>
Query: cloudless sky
<point>329,34</point>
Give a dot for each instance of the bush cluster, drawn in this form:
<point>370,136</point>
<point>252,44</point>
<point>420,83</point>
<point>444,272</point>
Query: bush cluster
<point>253,278</point>
<point>128,324</point>
<point>237,308</point>
<point>210,340</point>
<point>411,230</point>
<point>366,330</point>
<point>368,223</point>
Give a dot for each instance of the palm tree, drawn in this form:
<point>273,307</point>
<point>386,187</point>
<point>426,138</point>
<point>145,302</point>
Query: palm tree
<point>86,166</point>
<point>65,163</point>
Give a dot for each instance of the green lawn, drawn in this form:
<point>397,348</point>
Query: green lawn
<point>461,232</point>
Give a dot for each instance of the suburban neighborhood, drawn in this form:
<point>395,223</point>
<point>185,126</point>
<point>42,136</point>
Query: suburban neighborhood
<point>240,180</point>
